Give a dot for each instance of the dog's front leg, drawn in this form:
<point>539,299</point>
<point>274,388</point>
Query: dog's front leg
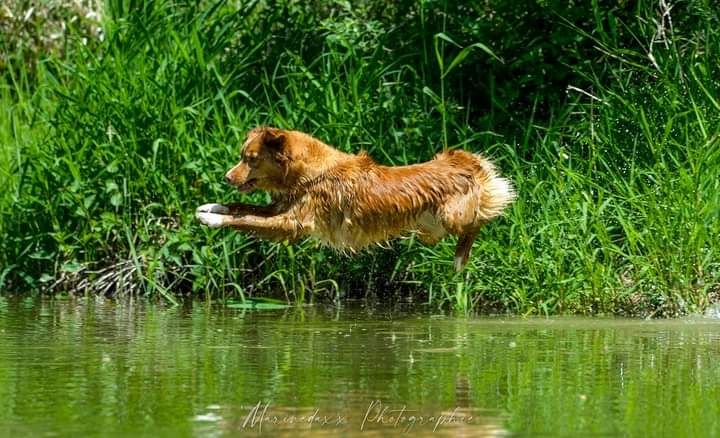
<point>254,210</point>
<point>239,209</point>
<point>280,227</point>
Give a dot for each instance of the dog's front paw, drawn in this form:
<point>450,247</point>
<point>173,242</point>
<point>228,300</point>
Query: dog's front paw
<point>213,208</point>
<point>212,220</point>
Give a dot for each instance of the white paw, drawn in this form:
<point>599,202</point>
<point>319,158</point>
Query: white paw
<point>212,220</point>
<point>213,208</point>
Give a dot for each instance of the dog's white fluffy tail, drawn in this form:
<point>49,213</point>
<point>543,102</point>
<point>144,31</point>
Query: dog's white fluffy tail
<point>497,192</point>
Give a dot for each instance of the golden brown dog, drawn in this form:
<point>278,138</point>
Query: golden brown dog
<point>349,201</point>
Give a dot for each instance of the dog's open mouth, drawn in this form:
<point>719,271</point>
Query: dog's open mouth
<point>247,185</point>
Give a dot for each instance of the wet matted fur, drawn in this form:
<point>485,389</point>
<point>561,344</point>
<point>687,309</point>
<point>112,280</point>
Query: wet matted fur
<point>349,201</point>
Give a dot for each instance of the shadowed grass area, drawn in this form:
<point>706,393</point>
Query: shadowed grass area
<point>606,120</point>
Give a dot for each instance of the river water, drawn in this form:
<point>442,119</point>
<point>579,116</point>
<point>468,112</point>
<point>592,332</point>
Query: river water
<point>97,368</point>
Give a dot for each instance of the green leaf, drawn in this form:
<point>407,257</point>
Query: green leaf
<point>71,267</point>
<point>444,36</point>
<point>88,201</point>
<point>41,255</point>
<point>116,200</point>
<point>432,94</point>
<point>465,52</point>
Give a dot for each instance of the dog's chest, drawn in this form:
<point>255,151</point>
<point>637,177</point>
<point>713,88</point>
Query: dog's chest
<point>345,232</point>
<point>341,232</point>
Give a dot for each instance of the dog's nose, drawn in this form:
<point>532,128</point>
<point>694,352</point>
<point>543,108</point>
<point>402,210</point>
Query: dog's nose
<point>228,179</point>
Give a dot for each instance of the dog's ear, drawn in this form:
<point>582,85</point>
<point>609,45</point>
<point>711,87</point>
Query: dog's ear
<point>274,139</point>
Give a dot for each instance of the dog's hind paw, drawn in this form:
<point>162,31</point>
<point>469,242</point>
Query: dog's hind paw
<point>212,208</point>
<point>212,220</point>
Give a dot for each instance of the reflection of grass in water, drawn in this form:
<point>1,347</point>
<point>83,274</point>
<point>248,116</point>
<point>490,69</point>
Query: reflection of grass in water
<point>107,153</point>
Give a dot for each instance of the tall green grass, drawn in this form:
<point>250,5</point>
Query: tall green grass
<point>608,127</point>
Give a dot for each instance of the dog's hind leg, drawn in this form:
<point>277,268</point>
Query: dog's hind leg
<point>463,248</point>
<point>430,230</point>
<point>459,217</point>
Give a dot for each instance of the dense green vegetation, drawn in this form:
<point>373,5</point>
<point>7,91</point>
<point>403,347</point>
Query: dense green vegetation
<point>604,114</point>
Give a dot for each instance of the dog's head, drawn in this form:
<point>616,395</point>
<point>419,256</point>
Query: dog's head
<point>264,162</point>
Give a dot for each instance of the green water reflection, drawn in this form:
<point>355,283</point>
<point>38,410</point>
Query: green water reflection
<point>103,369</point>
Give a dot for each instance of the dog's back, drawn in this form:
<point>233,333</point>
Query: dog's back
<point>359,202</point>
